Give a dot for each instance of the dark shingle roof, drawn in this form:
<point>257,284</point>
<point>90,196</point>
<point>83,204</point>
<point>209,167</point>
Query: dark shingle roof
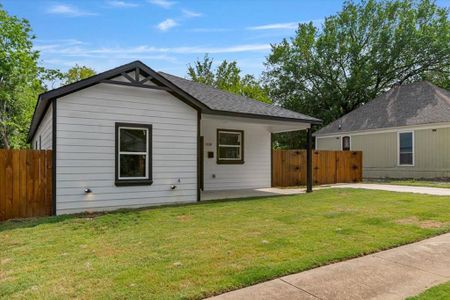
<point>219,100</point>
<point>411,104</point>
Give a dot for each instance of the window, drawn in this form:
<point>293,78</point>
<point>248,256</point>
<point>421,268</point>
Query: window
<point>346,143</point>
<point>40,143</point>
<point>230,146</point>
<point>133,154</point>
<point>406,148</point>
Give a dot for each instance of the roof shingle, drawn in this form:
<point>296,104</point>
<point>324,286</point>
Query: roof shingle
<point>219,100</point>
<point>411,104</point>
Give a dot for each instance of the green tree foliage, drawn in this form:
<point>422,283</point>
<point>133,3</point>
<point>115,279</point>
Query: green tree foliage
<point>77,73</point>
<point>359,53</point>
<point>227,76</point>
<point>19,83</point>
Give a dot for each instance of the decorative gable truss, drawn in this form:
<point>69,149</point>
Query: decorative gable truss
<point>137,78</point>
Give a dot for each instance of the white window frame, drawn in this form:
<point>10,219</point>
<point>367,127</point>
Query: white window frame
<point>342,142</point>
<point>240,146</point>
<point>398,149</point>
<point>147,135</point>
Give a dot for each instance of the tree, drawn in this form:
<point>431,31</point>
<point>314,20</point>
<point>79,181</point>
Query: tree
<point>227,76</point>
<point>357,54</point>
<point>77,73</point>
<point>19,83</point>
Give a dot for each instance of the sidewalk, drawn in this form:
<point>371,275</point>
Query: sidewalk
<point>392,274</point>
<point>395,188</point>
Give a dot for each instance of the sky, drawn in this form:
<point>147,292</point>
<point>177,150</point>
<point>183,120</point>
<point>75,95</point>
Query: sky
<point>167,35</point>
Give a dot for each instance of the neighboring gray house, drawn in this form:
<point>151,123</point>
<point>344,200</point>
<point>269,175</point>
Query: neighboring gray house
<point>133,137</point>
<point>403,133</point>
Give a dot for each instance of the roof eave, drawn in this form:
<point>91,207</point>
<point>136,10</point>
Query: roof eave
<point>312,121</point>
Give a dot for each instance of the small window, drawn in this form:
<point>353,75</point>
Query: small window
<point>36,145</point>
<point>133,154</point>
<point>405,149</point>
<point>40,143</point>
<point>345,143</point>
<point>230,146</point>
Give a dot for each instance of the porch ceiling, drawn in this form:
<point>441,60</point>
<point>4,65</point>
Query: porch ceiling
<point>273,126</point>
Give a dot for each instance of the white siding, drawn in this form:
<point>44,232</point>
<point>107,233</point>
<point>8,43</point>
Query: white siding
<point>254,173</point>
<point>44,131</point>
<point>86,148</point>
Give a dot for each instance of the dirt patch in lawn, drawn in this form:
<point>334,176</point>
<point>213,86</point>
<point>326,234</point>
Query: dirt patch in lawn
<point>184,218</point>
<point>426,224</point>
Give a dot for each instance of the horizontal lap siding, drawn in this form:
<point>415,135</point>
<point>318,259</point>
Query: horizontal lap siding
<point>44,131</point>
<point>256,170</point>
<point>328,143</point>
<point>380,151</point>
<point>86,148</point>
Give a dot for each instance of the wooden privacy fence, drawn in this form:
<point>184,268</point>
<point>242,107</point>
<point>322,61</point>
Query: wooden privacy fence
<point>25,183</point>
<point>289,167</point>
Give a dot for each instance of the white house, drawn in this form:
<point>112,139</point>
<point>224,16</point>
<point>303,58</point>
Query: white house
<point>132,137</point>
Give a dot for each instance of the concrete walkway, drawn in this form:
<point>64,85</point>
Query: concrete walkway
<point>393,274</point>
<point>395,188</point>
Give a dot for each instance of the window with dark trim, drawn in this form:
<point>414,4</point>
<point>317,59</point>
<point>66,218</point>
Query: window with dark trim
<point>346,143</point>
<point>133,154</point>
<point>230,146</point>
<point>40,143</point>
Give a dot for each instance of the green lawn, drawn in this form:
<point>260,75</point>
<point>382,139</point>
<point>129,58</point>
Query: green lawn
<point>412,182</point>
<point>440,292</point>
<point>194,251</point>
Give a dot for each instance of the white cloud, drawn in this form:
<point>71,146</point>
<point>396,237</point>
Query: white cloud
<point>121,4</point>
<point>162,3</point>
<point>82,50</point>
<point>190,13</point>
<point>166,24</point>
<point>68,10</point>
<point>291,25</point>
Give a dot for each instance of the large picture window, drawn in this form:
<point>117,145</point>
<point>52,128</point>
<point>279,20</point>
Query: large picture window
<point>406,148</point>
<point>230,146</point>
<point>133,154</point>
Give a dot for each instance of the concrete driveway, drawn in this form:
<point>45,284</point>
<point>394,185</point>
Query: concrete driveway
<point>395,188</point>
<point>393,274</point>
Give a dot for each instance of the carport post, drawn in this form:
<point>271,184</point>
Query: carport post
<point>309,177</point>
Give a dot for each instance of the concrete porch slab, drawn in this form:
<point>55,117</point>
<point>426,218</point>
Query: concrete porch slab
<point>247,193</point>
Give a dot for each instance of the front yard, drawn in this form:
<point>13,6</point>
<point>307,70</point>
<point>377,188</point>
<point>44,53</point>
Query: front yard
<point>194,251</point>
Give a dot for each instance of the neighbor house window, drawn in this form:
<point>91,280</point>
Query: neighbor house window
<point>133,154</point>
<point>230,146</point>
<point>406,148</point>
<point>346,143</point>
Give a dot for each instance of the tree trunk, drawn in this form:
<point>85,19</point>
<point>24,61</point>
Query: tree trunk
<point>5,139</point>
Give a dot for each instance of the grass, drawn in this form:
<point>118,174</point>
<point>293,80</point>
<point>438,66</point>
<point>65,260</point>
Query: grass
<point>412,182</point>
<point>194,251</point>
<point>440,292</point>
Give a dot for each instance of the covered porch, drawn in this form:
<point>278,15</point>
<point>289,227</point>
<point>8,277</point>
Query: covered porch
<point>236,156</point>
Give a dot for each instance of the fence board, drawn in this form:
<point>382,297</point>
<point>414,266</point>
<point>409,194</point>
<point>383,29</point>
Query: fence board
<point>289,167</point>
<point>25,183</point>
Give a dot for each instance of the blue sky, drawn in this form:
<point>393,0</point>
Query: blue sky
<point>167,35</point>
